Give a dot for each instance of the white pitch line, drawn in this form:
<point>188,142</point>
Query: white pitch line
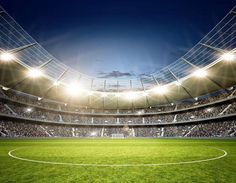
<point>118,165</point>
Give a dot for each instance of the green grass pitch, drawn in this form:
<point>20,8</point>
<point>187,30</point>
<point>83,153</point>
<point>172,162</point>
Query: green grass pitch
<point>124,160</point>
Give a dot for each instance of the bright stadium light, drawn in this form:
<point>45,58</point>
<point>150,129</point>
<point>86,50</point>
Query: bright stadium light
<point>228,57</point>
<point>6,57</point>
<point>90,93</point>
<point>200,73</point>
<point>160,90</point>
<point>73,89</point>
<point>93,133</point>
<point>140,112</point>
<point>104,94</point>
<point>29,110</point>
<point>131,95</point>
<point>209,110</point>
<point>34,73</point>
<point>178,83</point>
<point>5,88</point>
<point>56,83</point>
<point>145,94</point>
<point>117,94</point>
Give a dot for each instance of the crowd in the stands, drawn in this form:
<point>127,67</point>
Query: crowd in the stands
<point>33,129</point>
<point>22,110</point>
<point>59,106</point>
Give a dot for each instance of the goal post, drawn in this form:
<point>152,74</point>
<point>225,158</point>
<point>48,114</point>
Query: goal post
<point>117,136</point>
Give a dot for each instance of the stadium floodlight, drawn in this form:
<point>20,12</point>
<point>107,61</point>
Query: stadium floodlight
<point>35,73</point>
<point>178,83</point>
<point>160,90</point>
<point>29,110</point>
<point>93,133</point>
<point>209,110</point>
<point>192,117</point>
<point>5,88</point>
<point>145,94</point>
<point>140,112</point>
<point>56,83</point>
<point>200,73</point>
<point>73,89</point>
<point>117,94</point>
<point>104,94</point>
<point>228,57</point>
<point>131,95</point>
<point>6,56</point>
<point>90,93</point>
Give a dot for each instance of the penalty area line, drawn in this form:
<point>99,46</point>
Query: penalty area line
<point>118,165</point>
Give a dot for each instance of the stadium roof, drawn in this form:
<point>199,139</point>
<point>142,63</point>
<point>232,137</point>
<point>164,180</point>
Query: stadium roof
<point>174,82</point>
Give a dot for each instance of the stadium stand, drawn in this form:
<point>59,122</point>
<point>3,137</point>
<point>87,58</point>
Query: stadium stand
<point>26,117</point>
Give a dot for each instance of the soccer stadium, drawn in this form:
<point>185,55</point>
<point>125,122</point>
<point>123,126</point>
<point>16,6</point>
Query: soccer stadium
<point>175,124</point>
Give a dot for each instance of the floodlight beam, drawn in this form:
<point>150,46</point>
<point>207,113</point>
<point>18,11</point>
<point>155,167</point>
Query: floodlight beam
<point>215,82</point>
<point>34,72</point>
<point>227,56</point>
<point>6,56</point>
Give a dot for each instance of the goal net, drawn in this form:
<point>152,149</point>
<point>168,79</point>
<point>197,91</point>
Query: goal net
<point>117,136</point>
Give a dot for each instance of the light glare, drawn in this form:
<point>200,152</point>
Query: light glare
<point>160,90</point>
<point>29,110</point>
<point>56,83</point>
<point>178,83</point>
<point>145,94</point>
<point>117,94</point>
<point>93,133</point>
<point>131,95</point>
<point>34,73</point>
<point>73,89</point>
<point>228,57</point>
<point>200,73</point>
<point>6,57</point>
<point>90,93</point>
<point>104,94</point>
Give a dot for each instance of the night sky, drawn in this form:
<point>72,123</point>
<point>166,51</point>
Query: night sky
<point>117,38</point>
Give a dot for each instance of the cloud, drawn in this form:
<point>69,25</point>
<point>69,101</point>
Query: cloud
<point>114,74</point>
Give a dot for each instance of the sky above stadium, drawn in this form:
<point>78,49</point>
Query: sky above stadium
<point>122,38</point>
